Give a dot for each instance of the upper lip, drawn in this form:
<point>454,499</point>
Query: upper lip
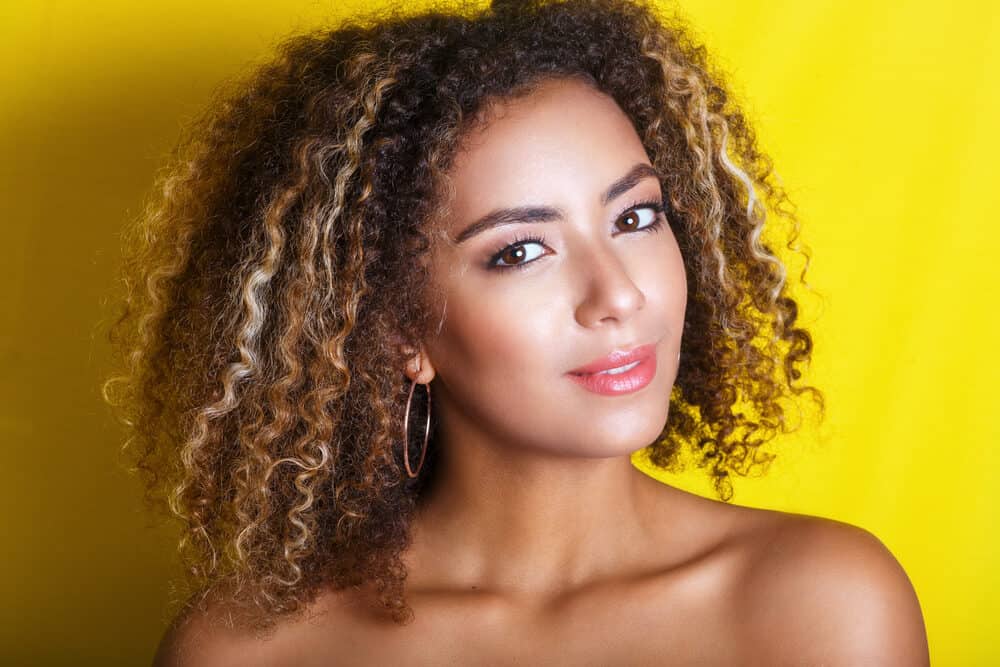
<point>615,359</point>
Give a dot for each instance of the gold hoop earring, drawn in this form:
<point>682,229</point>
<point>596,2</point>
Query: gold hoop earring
<point>406,431</point>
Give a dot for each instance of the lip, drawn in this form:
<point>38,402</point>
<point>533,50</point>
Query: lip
<point>632,380</point>
<point>616,359</point>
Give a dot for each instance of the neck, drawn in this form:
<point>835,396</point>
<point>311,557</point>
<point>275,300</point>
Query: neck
<point>505,518</point>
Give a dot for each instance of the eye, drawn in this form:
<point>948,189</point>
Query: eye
<point>634,221</point>
<point>639,217</point>
<point>517,254</point>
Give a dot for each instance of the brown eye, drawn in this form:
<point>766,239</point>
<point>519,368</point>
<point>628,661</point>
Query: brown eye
<point>520,253</point>
<point>513,255</point>
<point>633,221</point>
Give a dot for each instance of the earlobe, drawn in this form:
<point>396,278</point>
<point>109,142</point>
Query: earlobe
<point>418,367</point>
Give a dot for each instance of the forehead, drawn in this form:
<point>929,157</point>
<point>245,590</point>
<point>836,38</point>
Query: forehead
<point>562,141</point>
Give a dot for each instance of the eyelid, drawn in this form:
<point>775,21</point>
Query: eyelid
<point>657,205</point>
<point>518,241</point>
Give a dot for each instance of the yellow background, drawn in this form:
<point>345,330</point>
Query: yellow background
<point>881,119</point>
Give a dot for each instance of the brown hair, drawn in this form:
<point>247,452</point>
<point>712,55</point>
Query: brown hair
<point>281,248</point>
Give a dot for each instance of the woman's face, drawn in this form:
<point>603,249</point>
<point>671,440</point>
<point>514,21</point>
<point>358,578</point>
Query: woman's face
<point>598,275</point>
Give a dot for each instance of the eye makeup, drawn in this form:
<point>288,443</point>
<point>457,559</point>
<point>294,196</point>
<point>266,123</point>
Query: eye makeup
<point>520,241</point>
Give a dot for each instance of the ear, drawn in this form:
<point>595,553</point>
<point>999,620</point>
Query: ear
<point>418,366</point>
<point>418,363</point>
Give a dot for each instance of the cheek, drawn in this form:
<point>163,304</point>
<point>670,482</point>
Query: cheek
<point>659,273</point>
<point>505,330</point>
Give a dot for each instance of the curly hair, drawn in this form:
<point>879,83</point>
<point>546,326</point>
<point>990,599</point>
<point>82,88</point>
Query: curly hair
<point>284,238</point>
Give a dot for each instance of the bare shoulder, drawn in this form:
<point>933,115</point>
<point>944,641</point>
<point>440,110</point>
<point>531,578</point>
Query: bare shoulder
<point>819,591</point>
<point>207,634</point>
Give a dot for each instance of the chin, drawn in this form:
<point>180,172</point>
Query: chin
<point>624,435</point>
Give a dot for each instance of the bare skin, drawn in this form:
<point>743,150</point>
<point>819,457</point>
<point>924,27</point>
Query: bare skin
<point>743,586</point>
<point>680,605</point>
<point>542,544</point>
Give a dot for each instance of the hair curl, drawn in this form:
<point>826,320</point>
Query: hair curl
<point>283,240</point>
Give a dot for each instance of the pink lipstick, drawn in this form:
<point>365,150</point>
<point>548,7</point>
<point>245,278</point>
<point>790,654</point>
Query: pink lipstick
<point>619,372</point>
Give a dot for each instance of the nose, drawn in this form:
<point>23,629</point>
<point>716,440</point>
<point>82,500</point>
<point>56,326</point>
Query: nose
<point>609,293</point>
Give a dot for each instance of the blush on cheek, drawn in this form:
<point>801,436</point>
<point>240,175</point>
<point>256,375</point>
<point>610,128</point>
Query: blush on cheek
<point>492,340</point>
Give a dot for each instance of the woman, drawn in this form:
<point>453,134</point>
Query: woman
<point>544,215</point>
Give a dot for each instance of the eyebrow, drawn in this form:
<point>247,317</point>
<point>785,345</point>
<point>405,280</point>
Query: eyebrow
<point>528,214</point>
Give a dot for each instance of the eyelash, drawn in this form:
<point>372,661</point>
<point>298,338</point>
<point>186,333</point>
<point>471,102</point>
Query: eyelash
<point>654,226</point>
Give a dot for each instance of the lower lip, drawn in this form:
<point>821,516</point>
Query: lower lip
<point>630,381</point>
